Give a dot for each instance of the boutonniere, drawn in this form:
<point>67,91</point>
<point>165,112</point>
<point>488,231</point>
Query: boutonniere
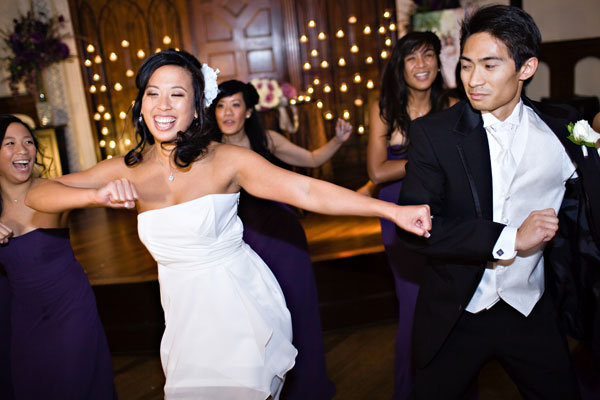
<point>581,133</point>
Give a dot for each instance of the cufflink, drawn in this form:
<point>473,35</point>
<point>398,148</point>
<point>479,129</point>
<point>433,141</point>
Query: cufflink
<point>499,252</point>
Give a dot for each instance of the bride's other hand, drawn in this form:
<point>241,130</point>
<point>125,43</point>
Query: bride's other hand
<point>5,234</point>
<point>414,219</point>
<point>119,193</point>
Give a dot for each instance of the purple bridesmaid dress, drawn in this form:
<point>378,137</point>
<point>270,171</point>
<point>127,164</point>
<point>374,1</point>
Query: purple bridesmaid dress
<point>276,235</point>
<point>58,347</point>
<point>5,384</point>
<point>407,268</point>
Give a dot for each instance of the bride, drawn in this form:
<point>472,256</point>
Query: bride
<point>228,332</point>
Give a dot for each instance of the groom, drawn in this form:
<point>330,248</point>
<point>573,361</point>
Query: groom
<point>495,171</point>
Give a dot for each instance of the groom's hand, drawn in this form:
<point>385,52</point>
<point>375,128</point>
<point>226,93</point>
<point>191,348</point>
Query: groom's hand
<point>540,226</point>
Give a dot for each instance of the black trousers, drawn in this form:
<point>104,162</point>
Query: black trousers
<point>531,349</point>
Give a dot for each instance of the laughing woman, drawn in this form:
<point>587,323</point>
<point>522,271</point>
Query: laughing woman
<point>227,329</point>
<point>58,348</point>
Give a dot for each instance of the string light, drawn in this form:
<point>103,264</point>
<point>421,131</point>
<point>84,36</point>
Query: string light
<point>303,39</point>
<point>370,84</point>
<point>310,90</point>
<point>324,64</point>
<point>312,23</point>
<point>384,54</point>
<point>381,29</point>
<point>388,42</point>
<point>292,101</point>
<point>96,77</point>
<point>129,73</point>
<point>101,108</point>
<point>122,115</point>
<point>124,43</point>
<point>327,89</point>
<point>105,131</point>
<point>361,129</point>
<point>316,81</point>
<point>358,102</point>
<point>357,78</point>
<point>354,49</point>
<point>328,115</point>
<point>306,66</point>
<point>103,88</point>
<point>90,48</point>
<point>87,63</point>
<point>127,142</point>
<point>112,144</point>
<point>113,56</point>
<point>314,52</point>
<point>158,50</point>
<point>339,34</point>
<point>141,53</point>
<point>97,59</point>
<point>341,62</point>
<point>97,117</point>
<point>369,60</point>
<point>392,27</point>
<point>166,40</point>
<point>386,14</point>
<point>107,116</point>
<point>108,157</point>
<point>367,30</point>
<point>306,98</point>
<point>343,87</point>
<point>352,19</point>
<point>118,87</point>
<point>346,114</point>
<point>319,104</point>
<point>93,89</point>
<point>102,143</point>
<point>322,36</point>
<point>301,98</point>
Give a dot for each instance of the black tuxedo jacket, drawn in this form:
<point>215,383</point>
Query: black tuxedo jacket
<point>449,168</point>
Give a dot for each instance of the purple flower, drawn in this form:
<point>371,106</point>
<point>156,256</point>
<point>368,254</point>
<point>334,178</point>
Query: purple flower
<point>63,50</point>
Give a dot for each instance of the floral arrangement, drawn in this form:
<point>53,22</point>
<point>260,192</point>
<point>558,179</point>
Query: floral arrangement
<point>36,43</point>
<point>271,94</point>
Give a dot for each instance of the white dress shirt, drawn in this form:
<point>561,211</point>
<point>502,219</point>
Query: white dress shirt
<point>534,181</point>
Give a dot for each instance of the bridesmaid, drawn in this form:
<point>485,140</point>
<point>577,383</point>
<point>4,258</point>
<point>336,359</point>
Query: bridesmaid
<point>58,348</point>
<point>411,87</point>
<point>274,232</point>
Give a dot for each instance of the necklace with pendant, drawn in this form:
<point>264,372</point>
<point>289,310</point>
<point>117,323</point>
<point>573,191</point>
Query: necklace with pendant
<point>171,177</point>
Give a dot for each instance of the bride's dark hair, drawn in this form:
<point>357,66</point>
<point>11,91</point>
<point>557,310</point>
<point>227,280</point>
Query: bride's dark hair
<point>190,144</point>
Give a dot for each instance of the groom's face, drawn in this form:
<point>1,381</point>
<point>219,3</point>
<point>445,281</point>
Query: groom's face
<point>489,76</point>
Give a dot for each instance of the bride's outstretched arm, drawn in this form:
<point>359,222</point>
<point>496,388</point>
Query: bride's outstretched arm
<point>98,186</point>
<point>262,179</point>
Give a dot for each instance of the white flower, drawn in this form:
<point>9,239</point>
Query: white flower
<point>583,132</point>
<point>211,88</point>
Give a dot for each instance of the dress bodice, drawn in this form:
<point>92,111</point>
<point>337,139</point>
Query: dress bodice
<point>206,228</point>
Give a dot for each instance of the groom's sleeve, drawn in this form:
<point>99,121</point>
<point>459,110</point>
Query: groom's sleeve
<point>460,237</point>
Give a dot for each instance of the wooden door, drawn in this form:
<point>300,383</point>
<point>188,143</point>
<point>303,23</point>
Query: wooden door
<point>243,38</point>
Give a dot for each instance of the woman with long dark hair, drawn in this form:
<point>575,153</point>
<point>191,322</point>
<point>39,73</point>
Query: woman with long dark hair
<point>274,232</point>
<point>227,329</point>
<point>411,86</point>
<point>58,348</point>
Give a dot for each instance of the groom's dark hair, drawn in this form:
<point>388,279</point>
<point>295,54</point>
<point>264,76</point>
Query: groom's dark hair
<point>513,26</point>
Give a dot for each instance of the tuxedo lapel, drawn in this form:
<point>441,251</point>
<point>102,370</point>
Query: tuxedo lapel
<point>474,153</point>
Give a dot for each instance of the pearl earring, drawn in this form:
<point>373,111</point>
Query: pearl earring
<point>140,119</point>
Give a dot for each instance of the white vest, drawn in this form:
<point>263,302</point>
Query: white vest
<point>538,182</point>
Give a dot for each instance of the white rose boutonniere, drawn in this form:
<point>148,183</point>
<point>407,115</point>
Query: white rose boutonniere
<point>581,133</point>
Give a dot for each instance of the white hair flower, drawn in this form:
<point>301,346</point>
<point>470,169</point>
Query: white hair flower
<point>211,88</point>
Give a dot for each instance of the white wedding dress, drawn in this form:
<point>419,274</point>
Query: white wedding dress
<point>228,332</point>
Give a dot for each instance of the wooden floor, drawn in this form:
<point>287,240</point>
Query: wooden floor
<point>359,362</point>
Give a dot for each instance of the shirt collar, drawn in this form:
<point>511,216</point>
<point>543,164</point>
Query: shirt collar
<point>514,118</point>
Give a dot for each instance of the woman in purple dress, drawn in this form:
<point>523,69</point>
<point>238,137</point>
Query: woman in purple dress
<point>58,348</point>
<point>412,86</point>
<point>274,232</point>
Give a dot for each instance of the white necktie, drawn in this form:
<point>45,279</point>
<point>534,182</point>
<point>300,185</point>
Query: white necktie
<point>503,134</point>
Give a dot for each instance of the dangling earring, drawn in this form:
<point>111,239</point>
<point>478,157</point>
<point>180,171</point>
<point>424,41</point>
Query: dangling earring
<point>140,119</point>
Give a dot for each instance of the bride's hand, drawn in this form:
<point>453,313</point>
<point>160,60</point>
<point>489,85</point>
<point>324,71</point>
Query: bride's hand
<point>5,234</point>
<point>414,219</point>
<point>117,194</point>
